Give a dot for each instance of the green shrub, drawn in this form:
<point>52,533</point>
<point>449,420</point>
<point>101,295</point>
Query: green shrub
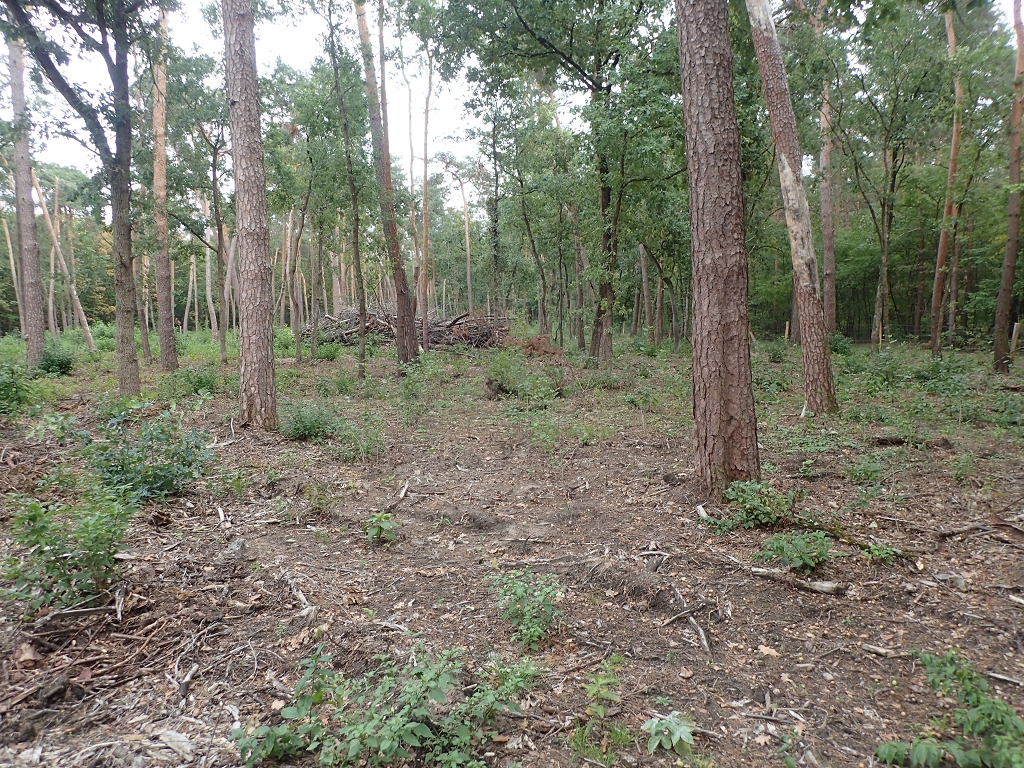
<point>983,732</point>
<point>840,345</point>
<point>328,351</point>
<point>341,384</point>
<point>508,375</point>
<point>70,549</point>
<point>799,551</point>
<point>56,359</point>
<point>15,392</point>
<point>755,505</point>
<point>775,351</point>
<point>867,471</point>
<point>415,713</point>
<point>284,342</point>
<point>358,441</point>
<point>145,459</point>
<point>308,421</point>
<point>185,382</point>
<point>643,398</point>
<point>527,601</point>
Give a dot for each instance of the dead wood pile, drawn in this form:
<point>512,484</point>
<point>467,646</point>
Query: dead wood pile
<point>465,329</point>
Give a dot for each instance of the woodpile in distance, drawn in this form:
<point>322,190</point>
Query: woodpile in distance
<point>465,329</point>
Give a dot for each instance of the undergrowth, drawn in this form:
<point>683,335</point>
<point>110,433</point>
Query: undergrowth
<point>754,505</point>
<point>527,601</point>
<point>983,732</point>
<point>418,711</point>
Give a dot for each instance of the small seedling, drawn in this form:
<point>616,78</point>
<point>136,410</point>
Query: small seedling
<point>527,601</point>
<point>881,553</point>
<point>800,551</point>
<point>381,528</point>
<point>671,732</point>
<point>755,505</point>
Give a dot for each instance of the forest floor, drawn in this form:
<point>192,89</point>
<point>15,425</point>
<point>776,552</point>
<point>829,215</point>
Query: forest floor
<point>266,558</point>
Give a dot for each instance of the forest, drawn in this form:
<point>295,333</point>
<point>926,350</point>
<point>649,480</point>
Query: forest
<point>521,383</point>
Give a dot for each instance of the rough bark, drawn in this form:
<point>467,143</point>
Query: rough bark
<point>819,387</point>
<point>15,277</point>
<point>725,422</point>
<point>31,288</point>
<point>164,286</point>
<point>949,209</point>
<point>828,232</point>
<point>257,397</point>
<point>405,321</point>
<point>1004,300</point>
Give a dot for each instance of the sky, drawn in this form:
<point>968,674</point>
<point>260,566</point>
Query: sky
<point>298,42</point>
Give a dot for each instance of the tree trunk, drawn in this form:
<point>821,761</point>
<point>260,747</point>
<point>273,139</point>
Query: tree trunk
<point>55,239</point>
<point>425,216</point>
<point>405,322</point>
<point>819,388</point>
<point>469,252</point>
<point>188,293</point>
<point>1004,301</point>
<point>257,397</point>
<point>51,316</point>
<point>31,287</point>
<point>954,280</point>
<point>645,288</point>
<point>578,324</point>
<point>828,232</point>
<point>659,312</point>
<point>725,422</point>
<point>353,190</point>
<point>164,285</point>
<point>949,210</point>
<point>15,277</point>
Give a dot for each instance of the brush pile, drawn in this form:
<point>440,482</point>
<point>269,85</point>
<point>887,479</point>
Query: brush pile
<point>465,329</point>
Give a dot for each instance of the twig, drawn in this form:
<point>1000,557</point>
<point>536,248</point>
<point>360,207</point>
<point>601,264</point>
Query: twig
<point>700,635</point>
<point>820,587</point>
<point>1005,678</point>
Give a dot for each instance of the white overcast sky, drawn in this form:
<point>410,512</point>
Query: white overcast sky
<point>298,42</point>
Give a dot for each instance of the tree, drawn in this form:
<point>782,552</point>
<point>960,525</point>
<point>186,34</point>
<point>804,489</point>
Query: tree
<point>257,397</point>
<point>1004,300</point>
<point>164,288</point>
<point>29,281</point>
<point>405,321</point>
<point>819,388</point>
<point>112,31</point>
<point>949,211</point>
<point>723,398</point>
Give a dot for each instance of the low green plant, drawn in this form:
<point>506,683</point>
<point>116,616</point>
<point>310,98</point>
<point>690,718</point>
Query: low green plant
<point>867,471</point>
<point>600,689</point>
<point>671,732</point>
<point>596,739</point>
<point>308,421</point>
<point>358,440</point>
<point>418,712</point>
<point>775,351</point>
<point>963,467</point>
<point>508,375</point>
<point>15,392</point>
<point>56,359</point>
<point>840,345</point>
<point>69,549</point>
<point>144,459</point>
<point>527,601</point>
<point>754,505</point>
<point>799,551</point>
<point>983,732</point>
<point>643,398</point>
<point>188,381</point>
<point>381,528</point>
<point>880,553</point>
<point>341,384</point>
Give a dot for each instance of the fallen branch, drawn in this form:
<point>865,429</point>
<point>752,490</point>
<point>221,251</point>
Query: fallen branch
<point>819,587</point>
<point>887,653</point>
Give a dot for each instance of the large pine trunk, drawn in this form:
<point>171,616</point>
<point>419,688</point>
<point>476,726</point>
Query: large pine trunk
<point>119,174</point>
<point>819,388</point>
<point>1004,301</point>
<point>949,210</point>
<point>31,286</point>
<point>257,397</point>
<point>725,422</point>
<point>405,321</point>
<point>164,285</point>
